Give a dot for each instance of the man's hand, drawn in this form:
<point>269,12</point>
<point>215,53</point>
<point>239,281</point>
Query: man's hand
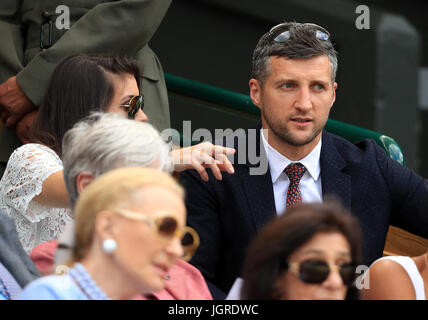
<point>23,127</point>
<point>201,156</point>
<point>14,104</point>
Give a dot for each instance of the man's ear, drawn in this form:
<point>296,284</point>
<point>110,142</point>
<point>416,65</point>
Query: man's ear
<point>83,179</point>
<point>255,91</point>
<point>334,94</point>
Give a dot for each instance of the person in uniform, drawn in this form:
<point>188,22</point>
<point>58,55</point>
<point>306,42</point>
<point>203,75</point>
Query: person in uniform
<point>36,35</point>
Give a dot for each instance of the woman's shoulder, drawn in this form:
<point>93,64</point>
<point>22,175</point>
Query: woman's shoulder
<point>392,266</point>
<point>34,148</point>
<point>52,287</point>
<point>33,156</point>
<point>393,263</point>
<point>388,278</point>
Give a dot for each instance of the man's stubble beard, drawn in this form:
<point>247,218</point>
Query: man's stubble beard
<point>285,135</point>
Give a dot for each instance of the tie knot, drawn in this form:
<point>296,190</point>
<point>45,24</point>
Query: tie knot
<point>295,171</point>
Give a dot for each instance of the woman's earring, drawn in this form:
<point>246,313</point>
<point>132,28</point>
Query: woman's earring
<point>109,246</point>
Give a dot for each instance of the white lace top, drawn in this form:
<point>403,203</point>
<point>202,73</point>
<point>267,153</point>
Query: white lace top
<point>28,167</point>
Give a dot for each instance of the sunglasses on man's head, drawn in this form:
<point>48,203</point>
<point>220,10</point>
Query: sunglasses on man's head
<point>281,32</point>
<point>317,271</point>
<point>134,104</point>
<point>167,227</point>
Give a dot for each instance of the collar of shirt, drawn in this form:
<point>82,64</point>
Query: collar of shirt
<point>278,162</point>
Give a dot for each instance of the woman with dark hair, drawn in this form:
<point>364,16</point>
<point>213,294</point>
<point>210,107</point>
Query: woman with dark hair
<point>82,84</point>
<point>32,189</point>
<point>309,253</point>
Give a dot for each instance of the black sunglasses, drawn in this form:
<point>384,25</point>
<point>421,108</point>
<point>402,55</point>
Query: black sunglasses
<point>317,271</point>
<point>134,104</point>
<point>284,33</point>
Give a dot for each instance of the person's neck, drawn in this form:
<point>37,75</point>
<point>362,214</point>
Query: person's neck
<point>108,276</point>
<point>291,152</point>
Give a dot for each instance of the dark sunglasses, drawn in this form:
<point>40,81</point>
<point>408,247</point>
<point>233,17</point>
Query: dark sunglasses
<point>134,104</point>
<point>317,271</point>
<point>167,227</point>
<point>281,33</point>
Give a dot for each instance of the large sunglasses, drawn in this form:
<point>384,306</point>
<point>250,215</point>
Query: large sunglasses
<point>317,271</point>
<point>167,228</point>
<point>281,32</point>
<point>133,105</point>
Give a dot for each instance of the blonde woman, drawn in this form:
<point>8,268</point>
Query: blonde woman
<point>130,229</point>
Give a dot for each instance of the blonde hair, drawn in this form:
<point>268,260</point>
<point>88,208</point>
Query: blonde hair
<point>115,189</point>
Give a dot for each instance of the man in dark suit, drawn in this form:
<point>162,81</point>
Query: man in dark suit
<point>293,84</point>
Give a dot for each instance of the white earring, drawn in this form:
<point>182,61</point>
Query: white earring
<point>109,246</point>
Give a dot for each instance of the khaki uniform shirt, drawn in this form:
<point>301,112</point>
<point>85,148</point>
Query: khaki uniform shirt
<point>96,26</point>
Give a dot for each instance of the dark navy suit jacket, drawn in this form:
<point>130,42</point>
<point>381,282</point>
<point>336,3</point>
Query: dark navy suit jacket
<point>228,213</point>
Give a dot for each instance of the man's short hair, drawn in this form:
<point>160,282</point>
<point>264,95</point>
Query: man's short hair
<point>105,141</point>
<point>301,42</point>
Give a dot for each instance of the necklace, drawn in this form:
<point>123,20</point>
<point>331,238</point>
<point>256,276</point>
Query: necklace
<point>86,284</point>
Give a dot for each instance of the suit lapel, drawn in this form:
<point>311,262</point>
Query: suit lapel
<point>259,193</point>
<point>258,188</point>
<point>333,180</point>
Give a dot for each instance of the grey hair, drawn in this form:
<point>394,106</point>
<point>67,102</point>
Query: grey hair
<point>302,44</point>
<point>105,141</point>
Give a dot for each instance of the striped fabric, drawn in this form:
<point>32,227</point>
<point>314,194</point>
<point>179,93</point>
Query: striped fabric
<point>9,288</point>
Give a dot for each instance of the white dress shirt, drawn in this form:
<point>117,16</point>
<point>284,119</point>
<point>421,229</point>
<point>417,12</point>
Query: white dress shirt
<point>310,184</point>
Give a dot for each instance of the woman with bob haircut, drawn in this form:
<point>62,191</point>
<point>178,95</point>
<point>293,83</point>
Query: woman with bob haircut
<point>130,229</point>
<point>308,253</point>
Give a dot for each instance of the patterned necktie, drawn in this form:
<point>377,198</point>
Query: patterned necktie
<point>295,172</point>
